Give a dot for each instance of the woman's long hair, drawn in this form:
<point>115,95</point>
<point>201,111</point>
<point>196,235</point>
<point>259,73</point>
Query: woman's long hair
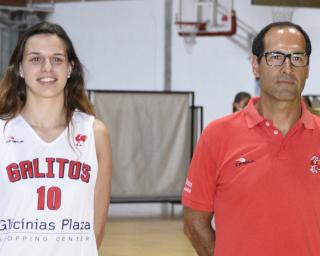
<point>13,88</point>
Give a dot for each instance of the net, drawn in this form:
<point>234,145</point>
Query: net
<point>190,37</point>
<point>189,30</point>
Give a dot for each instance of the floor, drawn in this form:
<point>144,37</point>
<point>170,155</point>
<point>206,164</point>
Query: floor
<point>145,236</point>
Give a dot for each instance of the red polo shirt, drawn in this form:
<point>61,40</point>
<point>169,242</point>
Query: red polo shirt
<point>263,187</point>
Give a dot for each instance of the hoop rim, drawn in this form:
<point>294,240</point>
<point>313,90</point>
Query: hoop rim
<point>202,31</point>
<point>200,26</point>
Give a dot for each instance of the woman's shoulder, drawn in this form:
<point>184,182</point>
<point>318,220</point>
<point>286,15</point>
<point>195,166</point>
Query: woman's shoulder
<point>79,115</point>
<point>4,121</point>
<point>102,139</point>
<point>99,128</point>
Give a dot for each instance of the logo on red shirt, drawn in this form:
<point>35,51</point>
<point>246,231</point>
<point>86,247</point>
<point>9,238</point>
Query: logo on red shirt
<point>80,139</point>
<point>315,164</point>
<point>188,186</point>
<point>243,161</point>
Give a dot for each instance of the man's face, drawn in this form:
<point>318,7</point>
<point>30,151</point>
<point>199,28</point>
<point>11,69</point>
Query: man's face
<point>285,82</point>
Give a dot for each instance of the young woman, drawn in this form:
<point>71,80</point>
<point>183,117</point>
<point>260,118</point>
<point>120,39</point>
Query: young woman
<point>55,162</point>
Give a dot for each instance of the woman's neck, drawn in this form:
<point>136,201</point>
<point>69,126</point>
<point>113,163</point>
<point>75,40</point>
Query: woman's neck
<point>44,114</point>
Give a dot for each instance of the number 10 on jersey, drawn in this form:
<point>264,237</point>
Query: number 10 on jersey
<point>50,197</point>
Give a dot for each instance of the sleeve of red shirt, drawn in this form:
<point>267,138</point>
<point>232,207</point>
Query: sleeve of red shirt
<point>200,186</point>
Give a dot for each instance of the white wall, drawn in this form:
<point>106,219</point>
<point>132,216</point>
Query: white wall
<point>121,43</point>
<point>217,68</point>
<point>308,18</point>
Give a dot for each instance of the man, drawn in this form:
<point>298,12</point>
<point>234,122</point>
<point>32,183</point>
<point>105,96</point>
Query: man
<point>258,170</point>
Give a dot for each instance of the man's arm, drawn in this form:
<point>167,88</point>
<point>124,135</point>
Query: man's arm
<point>197,227</point>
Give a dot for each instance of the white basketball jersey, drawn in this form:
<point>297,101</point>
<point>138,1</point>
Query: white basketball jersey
<point>47,190</point>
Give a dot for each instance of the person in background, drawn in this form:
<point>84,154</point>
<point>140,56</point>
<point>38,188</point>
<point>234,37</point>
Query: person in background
<point>55,155</point>
<point>308,102</point>
<point>257,171</point>
<point>240,101</point>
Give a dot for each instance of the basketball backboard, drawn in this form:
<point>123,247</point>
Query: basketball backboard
<point>207,15</point>
<point>205,18</point>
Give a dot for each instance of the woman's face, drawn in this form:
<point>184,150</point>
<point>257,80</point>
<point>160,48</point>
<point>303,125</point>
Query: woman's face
<point>45,66</point>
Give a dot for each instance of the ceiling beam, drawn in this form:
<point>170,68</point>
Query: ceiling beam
<point>26,2</point>
<point>291,3</point>
<point>14,3</point>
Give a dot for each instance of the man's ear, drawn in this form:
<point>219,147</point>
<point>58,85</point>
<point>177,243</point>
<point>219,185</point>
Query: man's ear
<point>255,66</point>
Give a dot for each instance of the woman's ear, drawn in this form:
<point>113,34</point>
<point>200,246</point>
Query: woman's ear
<point>70,67</point>
<point>21,71</point>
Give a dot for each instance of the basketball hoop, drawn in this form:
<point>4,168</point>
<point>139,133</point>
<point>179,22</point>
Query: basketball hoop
<point>190,41</point>
<point>204,18</point>
<point>282,14</point>
<point>189,32</point>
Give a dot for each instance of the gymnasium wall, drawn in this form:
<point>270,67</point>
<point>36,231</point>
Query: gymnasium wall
<point>121,44</point>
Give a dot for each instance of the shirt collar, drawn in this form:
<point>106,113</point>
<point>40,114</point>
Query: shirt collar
<point>253,118</point>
